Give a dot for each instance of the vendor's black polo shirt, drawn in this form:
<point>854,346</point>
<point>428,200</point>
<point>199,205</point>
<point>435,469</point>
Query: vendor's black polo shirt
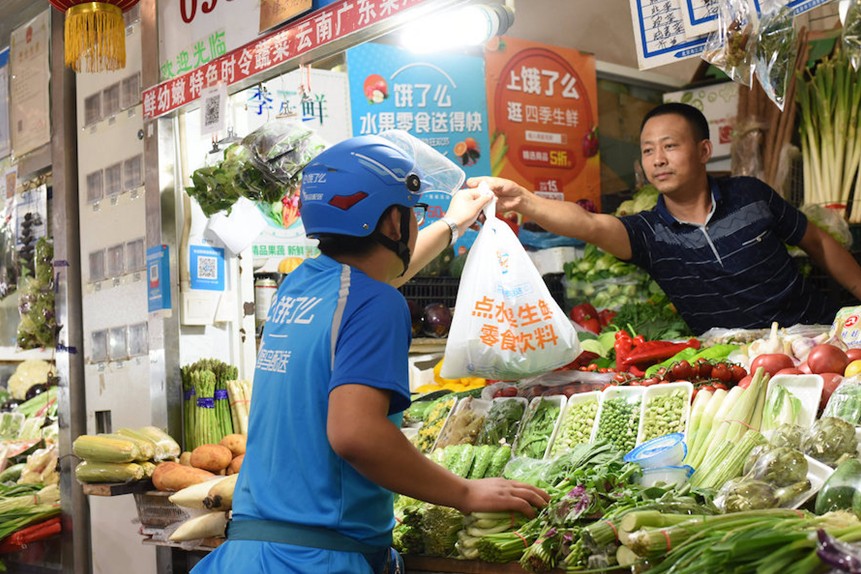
<point>734,271</point>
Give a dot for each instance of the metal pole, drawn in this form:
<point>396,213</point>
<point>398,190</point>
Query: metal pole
<point>76,549</point>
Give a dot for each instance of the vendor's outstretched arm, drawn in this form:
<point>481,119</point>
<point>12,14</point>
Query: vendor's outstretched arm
<point>360,433</point>
<point>464,208</point>
<point>825,252</point>
<point>560,217</point>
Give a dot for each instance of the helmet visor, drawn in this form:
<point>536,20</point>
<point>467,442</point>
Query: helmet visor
<point>437,172</point>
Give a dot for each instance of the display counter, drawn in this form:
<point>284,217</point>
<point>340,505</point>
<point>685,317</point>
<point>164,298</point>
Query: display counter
<point>431,565</point>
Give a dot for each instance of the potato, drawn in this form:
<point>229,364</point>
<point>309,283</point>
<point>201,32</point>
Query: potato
<point>235,464</point>
<point>185,458</point>
<point>211,457</point>
<point>172,476</point>
<point>235,442</point>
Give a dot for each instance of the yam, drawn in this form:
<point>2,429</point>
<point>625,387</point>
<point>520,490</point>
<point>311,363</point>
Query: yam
<point>211,457</point>
<point>235,442</point>
<point>185,458</point>
<point>172,476</point>
<point>235,464</point>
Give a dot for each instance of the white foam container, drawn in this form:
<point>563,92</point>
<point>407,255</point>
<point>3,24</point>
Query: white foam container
<point>522,400</point>
<point>677,475</point>
<point>662,390</point>
<point>817,474</point>
<point>479,406</point>
<point>630,394</point>
<point>558,400</point>
<point>807,388</point>
<point>575,399</point>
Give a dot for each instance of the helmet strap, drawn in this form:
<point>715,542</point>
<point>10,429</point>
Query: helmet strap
<point>401,247</point>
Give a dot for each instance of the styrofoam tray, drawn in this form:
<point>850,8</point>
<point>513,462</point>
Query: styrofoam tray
<point>559,400</point>
<point>522,400</point>
<point>817,474</point>
<point>478,406</point>
<point>631,394</point>
<point>575,399</point>
<point>662,390</point>
<point>807,388</point>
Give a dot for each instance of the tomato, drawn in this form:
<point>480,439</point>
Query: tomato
<point>738,373</point>
<point>721,386</point>
<point>509,392</point>
<point>830,382</point>
<point>744,382</point>
<point>704,369</point>
<point>853,368</point>
<point>709,388</point>
<point>826,358</point>
<point>771,362</point>
<point>681,370</point>
<point>722,373</point>
<point>582,312</point>
<point>789,371</point>
<point>606,316</point>
<point>854,354</point>
<point>592,324</point>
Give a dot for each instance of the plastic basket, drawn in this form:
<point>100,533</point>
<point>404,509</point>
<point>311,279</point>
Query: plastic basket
<point>426,290</point>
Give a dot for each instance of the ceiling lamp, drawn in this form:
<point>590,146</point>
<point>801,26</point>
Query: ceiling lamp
<point>95,34</point>
<point>472,25</point>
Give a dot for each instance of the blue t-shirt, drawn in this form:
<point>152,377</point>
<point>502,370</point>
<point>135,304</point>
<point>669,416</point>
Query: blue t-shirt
<point>734,271</point>
<point>329,324</point>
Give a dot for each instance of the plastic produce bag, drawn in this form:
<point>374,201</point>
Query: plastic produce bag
<point>774,54</point>
<point>727,48</point>
<point>506,325</point>
<point>851,35</point>
<point>845,401</point>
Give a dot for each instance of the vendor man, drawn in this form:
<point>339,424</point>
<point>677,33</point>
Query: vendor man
<point>715,246</point>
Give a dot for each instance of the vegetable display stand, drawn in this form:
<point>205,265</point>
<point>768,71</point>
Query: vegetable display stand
<point>428,565</point>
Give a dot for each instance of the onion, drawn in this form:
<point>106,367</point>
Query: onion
<point>827,358</point>
<point>437,320</point>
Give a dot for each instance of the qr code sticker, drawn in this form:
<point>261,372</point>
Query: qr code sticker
<point>212,110</point>
<point>207,267</point>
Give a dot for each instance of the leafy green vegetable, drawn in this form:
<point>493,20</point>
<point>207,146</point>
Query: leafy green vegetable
<point>501,423</point>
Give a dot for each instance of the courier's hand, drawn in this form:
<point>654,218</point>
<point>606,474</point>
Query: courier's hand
<point>510,196</point>
<point>501,495</point>
<point>465,206</point>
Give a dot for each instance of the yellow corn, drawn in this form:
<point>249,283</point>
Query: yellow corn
<point>102,448</point>
<point>90,472</point>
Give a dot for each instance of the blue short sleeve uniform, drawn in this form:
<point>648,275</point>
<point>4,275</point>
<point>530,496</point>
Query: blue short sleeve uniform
<point>328,325</point>
<point>734,271</point>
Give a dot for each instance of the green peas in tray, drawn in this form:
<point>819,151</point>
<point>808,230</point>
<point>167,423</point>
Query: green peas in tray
<point>542,417</point>
<point>619,416</point>
<point>577,423</point>
<point>666,409</point>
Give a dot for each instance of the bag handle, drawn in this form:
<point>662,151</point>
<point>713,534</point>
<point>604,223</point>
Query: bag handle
<point>489,208</point>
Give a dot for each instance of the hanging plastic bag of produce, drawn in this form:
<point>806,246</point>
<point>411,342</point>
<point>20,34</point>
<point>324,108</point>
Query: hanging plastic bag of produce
<point>851,35</point>
<point>506,325</point>
<point>775,50</point>
<point>728,47</point>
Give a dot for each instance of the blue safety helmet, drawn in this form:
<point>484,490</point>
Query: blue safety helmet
<point>348,187</point>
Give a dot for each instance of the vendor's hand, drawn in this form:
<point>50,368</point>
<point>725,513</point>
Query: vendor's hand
<point>465,206</point>
<point>510,196</point>
<point>501,495</point>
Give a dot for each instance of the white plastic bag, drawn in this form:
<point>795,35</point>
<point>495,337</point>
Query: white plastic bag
<point>506,325</point>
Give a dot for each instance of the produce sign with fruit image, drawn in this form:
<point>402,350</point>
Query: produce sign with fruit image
<point>544,117</point>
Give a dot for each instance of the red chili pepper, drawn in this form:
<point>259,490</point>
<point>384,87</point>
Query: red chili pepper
<point>651,352</point>
<point>33,533</point>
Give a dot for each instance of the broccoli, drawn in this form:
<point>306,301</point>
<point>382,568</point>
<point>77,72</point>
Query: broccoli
<point>439,527</point>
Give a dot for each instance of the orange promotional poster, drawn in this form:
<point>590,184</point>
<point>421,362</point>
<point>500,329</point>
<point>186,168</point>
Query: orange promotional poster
<point>543,117</point>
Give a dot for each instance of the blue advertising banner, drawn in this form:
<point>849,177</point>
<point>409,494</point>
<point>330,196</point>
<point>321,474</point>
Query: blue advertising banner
<point>158,278</point>
<point>206,267</point>
<point>438,98</point>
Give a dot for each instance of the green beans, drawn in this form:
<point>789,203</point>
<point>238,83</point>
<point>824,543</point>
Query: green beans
<point>664,414</point>
<point>620,421</point>
<point>576,427</point>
